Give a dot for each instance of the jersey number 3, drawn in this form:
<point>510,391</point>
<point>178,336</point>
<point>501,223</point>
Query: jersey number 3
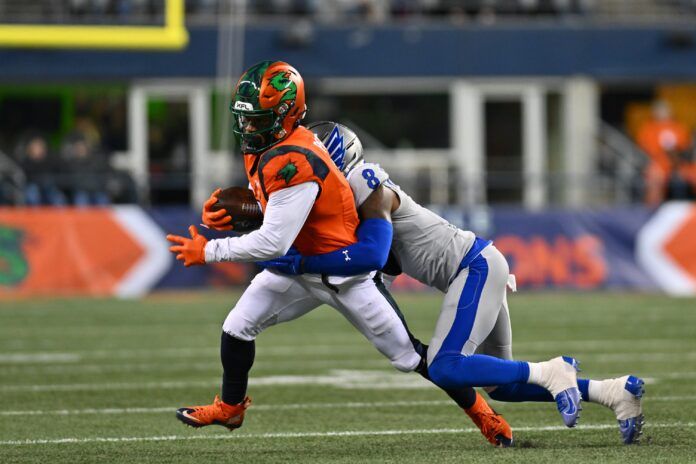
<point>369,176</point>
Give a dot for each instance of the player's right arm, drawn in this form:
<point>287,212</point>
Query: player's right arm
<point>286,213</point>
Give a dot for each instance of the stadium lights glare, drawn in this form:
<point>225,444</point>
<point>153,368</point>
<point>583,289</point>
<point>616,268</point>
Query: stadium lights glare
<point>171,36</point>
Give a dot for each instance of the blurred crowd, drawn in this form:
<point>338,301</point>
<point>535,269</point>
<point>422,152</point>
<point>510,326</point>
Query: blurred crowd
<point>149,11</point>
<point>671,169</point>
<point>78,174</point>
<point>382,10</point>
<point>326,10</point>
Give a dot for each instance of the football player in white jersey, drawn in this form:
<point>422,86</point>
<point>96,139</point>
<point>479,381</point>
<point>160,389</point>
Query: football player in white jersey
<point>472,343</point>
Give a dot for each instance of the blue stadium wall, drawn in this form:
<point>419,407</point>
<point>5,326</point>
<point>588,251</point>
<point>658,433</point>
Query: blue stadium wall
<point>607,52</point>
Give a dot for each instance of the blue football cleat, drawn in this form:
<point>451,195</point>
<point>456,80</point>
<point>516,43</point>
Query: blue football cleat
<point>628,408</point>
<point>560,378</point>
<point>624,396</point>
<point>631,429</point>
<point>568,404</point>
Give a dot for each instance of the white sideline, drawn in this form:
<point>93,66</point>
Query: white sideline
<point>341,433</point>
<point>282,407</point>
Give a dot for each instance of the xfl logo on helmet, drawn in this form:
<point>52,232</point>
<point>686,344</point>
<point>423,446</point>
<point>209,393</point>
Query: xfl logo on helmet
<point>244,106</point>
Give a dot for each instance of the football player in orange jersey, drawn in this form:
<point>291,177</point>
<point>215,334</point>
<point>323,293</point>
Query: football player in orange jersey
<point>307,203</point>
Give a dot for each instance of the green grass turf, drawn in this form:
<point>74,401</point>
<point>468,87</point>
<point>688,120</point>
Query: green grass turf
<point>162,352</point>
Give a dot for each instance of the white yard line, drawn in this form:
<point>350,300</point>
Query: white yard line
<point>49,357</point>
<point>644,357</point>
<point>338,434</point>
<point>211,366</point>
<point>46,363</point>
<point>65,387</point>
<point>260,407</point>
<point>76,356</point>
<point>338,378</point>
<point>349,379</point>
<point>284,407</point>
<point>60,363</point>
<point>582,346</point>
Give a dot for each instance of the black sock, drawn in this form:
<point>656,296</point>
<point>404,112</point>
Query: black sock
<point>464,397</point>
<point>237,358</point>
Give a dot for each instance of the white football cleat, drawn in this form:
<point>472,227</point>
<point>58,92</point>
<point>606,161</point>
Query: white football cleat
<point>559,377</point>
<point>624,396</point>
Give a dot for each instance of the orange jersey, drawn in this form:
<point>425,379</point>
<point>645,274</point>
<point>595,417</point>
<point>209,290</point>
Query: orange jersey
<point>302,158</point>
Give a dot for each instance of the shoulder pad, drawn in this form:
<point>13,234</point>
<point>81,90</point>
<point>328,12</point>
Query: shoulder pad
<point>290,165</point>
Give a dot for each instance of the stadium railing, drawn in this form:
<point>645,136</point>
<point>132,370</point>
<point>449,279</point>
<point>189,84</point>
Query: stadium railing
<point>621,164</point>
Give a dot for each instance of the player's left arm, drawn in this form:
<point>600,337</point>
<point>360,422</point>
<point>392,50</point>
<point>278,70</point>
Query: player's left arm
<point>369,253</point>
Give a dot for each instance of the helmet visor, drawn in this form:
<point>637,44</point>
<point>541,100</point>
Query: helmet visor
<point>254,129</point>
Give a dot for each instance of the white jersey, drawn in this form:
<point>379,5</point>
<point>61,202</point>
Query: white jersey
<point>429,248</point>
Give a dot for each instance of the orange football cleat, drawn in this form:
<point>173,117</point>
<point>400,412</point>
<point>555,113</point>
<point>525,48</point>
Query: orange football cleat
<point>219,413</point>
<point>492,425</point>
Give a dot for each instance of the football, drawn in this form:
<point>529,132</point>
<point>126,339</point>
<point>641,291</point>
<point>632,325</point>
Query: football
<point>241,205</point>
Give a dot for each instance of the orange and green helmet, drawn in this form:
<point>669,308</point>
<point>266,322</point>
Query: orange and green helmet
<point>267,105</point>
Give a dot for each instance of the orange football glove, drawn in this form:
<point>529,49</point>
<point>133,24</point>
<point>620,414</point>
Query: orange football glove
<point>189,250</point>
<point>218,220</point>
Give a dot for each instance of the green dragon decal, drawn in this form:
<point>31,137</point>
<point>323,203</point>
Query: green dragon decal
<point>249,86</point>
<point>287,172</point>
<point>281,82</point>
<point>13,264</point>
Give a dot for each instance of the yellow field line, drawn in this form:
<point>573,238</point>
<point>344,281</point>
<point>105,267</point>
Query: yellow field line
<point>172,35</point>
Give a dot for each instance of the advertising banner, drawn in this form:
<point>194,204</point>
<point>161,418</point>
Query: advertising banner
<point>122,250</point>
<point>94,251</point>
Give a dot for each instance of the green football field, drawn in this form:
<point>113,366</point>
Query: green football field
<point>99,380</point>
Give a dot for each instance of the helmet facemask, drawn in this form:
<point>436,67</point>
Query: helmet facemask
<point>257,130</point>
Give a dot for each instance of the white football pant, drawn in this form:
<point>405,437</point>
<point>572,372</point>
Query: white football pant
<point>273,298</point>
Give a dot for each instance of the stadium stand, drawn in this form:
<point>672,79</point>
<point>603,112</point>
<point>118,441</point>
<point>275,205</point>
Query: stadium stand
<point>149,11</point>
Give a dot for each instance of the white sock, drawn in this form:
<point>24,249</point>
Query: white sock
<point>595,392</point>
<point>535,373</point>
<point>554,375</point>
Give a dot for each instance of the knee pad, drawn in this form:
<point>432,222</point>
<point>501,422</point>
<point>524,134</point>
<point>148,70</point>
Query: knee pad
<point>237,327</point>
<point>377,319</point>
<point>407,363</point>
